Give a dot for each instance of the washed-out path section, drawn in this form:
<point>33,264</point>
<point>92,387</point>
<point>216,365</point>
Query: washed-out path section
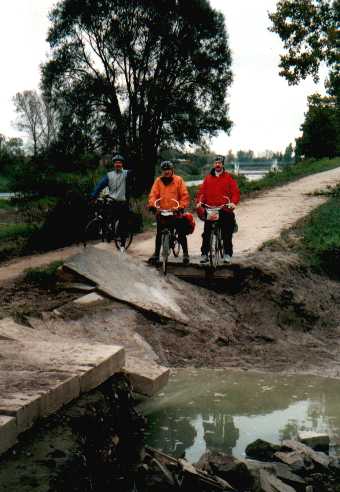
<point>44,366</point>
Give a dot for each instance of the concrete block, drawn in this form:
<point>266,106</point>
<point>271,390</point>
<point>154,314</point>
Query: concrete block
<point>8,433</point>
<point>146,378</point>
<point>60,394</point>
<point>314,439</point>
<point>109,360</point>
<point>25,408</point>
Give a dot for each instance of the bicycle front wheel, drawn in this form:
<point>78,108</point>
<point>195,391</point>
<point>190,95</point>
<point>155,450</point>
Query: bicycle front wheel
<point>176,246</point>
<point>93,230</point>
<point>214,249</point>
<point>165,250</point>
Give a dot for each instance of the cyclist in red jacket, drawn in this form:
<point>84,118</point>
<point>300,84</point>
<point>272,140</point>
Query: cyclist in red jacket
<point>218,187</point>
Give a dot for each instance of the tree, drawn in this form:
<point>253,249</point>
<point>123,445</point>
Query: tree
<point>288,153</point>
<point>141,74</point>
<point>309,30</point>
<point>11,153</point>
<point>36,118</point>
<point>319,135</point>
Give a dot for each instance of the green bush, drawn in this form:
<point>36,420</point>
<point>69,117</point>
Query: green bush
<point>44,276</point>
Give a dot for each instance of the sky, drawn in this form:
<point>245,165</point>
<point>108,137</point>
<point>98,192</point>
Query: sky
<point>266,112</point>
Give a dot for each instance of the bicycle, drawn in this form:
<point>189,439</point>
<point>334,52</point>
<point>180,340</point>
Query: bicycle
<point>216,247</point>
<point>105,226</point>
<point>169,235</point>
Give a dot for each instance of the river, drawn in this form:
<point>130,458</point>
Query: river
<point>203,409</point>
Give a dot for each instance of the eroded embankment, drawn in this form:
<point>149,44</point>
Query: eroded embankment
<point>272,314</point>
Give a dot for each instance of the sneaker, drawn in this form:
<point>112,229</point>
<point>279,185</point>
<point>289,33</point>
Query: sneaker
<point>153,260</point>
<point>186,259</point>
<point>205,259</point>
<point>227,259</point>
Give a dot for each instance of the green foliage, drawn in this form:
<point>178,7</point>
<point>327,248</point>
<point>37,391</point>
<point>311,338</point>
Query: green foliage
<point>136,75</point>
<point>321,238</point>
<point>45,276</point>
<point>319,130</point>
<point>308,29</point>
<point>5,204</point>
<point>13,231</point>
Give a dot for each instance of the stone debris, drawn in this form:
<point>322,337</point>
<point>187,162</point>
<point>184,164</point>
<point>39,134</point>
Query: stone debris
<point>315,440</point>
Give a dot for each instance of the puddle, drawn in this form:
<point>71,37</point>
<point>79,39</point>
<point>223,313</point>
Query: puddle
<point>202,409</point>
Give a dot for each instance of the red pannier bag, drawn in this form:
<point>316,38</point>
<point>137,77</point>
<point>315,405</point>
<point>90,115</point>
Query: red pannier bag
<point>189,223</point>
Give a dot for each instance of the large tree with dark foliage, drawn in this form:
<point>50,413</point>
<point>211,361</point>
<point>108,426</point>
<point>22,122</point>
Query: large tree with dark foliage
<point>309,30</point>
<point>319,128</point>
<point>133,75</point>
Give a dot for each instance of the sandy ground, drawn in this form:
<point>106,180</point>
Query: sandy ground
<point>259,219</point>
<point>263,218</point>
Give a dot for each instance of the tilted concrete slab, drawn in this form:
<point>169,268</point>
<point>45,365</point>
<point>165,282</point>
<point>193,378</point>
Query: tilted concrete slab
<point>145,377</point>
<point>41,371</point>
<point>8,433</point>
<point>124,278</point>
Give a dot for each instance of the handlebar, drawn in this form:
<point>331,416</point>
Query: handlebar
<point>159,209</point>
<point>216,207</point>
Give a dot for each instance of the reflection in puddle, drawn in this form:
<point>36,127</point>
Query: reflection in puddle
<point>225,411</point>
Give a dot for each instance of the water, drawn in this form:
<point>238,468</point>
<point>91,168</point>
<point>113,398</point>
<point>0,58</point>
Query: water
<point>217,409</point>
<point>251,176</point>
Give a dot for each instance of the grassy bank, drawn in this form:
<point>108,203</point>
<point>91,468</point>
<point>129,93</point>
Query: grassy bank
<point>316,238</point>
<point>288,174</point>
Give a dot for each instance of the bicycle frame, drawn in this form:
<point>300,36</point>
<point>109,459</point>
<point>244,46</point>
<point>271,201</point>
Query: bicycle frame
<point>168,234</point>
<point>216,249</point>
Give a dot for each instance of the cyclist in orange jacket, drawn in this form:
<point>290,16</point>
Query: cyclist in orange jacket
<point>167,188</point>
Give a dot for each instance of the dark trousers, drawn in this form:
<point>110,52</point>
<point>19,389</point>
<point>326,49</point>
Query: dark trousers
<point>173,222</point>
<point>227,221</point>
<point>120,211</point>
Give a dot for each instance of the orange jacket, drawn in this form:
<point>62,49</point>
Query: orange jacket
<point>176,189</point>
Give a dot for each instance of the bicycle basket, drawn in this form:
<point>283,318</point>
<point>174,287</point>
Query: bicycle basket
<point>212,214</point>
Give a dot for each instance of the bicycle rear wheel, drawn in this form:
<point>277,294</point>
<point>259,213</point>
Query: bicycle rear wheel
<point>94,230</point>
<point>119,241</point>
<point>165,250</point>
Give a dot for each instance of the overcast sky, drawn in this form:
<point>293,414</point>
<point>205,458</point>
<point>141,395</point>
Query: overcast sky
<point>266,112</point>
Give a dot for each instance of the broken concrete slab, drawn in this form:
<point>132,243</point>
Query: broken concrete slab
<point>8,433</point>
<point>292,459</point>
<point>270,483</point>
<point>41,371</point>
<point>145,377</point>
<point>318,458</point>
<point>314,439</point>
<point>89,299</point>
<point>124,278</point>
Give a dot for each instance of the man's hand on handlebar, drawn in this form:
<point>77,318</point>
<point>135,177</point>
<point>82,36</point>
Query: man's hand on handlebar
<point>231,205</point>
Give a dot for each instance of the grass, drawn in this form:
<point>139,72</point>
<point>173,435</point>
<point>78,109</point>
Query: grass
<point>320,246</point>
<point>43,276</point>
<point>13,231</point>
<point>6,204</point>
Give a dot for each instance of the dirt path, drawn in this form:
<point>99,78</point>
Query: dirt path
<point>263,218</point>
<point>259,220</point>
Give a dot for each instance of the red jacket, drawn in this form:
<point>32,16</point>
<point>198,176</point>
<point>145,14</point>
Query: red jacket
<point>214,189</point>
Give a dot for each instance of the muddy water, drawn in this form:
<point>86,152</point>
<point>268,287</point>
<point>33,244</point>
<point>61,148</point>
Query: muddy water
<point>217,409</point>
